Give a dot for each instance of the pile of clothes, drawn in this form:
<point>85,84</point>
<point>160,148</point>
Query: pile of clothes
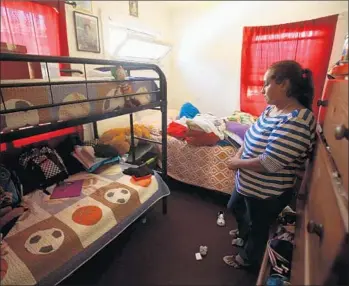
<point>141,175</point>
<point>197,129</point>
<point>280,249</point>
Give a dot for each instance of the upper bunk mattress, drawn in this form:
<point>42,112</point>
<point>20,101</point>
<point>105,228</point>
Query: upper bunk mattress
<point>21,97</point>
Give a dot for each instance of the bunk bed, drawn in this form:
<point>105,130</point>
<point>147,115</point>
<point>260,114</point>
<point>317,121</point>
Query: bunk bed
<point>47,244</point>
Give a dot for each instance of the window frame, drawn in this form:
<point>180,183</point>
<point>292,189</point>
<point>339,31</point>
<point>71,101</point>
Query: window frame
<point>132,34</point>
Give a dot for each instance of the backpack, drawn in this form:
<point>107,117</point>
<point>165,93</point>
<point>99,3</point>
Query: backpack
<point>45,165</point>
<point>10,183</point>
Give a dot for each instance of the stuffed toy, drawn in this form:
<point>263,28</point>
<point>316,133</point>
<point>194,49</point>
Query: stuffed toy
<point>120,138</point>
<point>119,73</point>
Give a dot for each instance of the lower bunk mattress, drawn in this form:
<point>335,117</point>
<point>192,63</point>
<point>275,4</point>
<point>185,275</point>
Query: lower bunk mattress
<point>204,166</point>
<point>56,236</point>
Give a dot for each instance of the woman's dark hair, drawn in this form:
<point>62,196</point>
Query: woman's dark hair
<point>301,81</point>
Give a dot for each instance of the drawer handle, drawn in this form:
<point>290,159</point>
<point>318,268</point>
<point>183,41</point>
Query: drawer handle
<point>341,132</point>
<point>323,103</point>
<point>316,228</point>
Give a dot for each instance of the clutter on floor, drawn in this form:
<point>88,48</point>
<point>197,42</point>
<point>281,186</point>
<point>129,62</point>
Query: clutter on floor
<point>220,219</point>
<point>280,248</point>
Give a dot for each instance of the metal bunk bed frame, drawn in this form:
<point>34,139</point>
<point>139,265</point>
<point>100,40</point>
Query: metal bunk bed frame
<point>160,104</point>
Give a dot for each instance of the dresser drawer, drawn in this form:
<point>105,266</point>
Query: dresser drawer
<point>325,221</point>
<point>336,121</point>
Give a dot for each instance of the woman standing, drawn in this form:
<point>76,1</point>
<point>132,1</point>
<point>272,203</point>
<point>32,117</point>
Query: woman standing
<point>275,148</point>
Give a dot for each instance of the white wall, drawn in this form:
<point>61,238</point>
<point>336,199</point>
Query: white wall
<point>154,17</point>
<point>208,37</point>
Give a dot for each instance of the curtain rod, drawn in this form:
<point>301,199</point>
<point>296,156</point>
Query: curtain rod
<point>72,3</point>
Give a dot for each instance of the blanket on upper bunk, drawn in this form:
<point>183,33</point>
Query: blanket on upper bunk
<point>56,236</point>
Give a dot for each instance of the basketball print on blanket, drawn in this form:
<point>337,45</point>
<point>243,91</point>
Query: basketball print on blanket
<point>42,247</point>
<point>89,218</point>
<point>121,199</point>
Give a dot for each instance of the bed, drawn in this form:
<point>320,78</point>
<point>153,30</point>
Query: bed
<point>55,237</point>
<point>204,166</point>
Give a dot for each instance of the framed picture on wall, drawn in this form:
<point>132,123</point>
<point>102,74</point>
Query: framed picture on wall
<point>84,6</point>
<point>133,8</point>
<point>87,32</point>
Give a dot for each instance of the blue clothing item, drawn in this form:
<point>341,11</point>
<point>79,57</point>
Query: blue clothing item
<point>101,162</point>
<point>188,110</point>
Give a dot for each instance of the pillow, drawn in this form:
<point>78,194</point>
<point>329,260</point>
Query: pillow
<point>237,128</point>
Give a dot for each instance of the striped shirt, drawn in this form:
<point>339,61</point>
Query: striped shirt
<point>282,143</point>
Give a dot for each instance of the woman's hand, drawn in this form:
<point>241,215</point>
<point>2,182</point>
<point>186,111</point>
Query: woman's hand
<point>233,163</point>
<point>248,164</point>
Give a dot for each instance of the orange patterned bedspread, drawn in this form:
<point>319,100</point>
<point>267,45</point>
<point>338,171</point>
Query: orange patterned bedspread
<point>200,166</point>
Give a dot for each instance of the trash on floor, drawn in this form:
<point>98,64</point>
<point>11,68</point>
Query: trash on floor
<point>203,250</point>
<point>220,219</point>
<point>198,256</point>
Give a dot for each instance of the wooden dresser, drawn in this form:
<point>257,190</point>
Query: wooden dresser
<point>321,251</point>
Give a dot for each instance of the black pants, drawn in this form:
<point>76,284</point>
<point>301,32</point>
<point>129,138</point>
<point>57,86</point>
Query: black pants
<point>254,218</point>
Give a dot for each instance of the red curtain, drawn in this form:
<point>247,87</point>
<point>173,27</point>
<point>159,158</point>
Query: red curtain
<point>308,42</point>
<point>32,25</point>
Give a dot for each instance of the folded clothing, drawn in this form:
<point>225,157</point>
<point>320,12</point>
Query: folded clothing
<point>141,178</point>
<point>105,151</point>
<point>143,181</point>
<point>85,155</point>
<point>139,172</point>
<point>177,130</point>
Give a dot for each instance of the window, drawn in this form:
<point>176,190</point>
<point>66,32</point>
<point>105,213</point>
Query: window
<point>134,45</point>
<point>307,42</point>
<point>33,26</point>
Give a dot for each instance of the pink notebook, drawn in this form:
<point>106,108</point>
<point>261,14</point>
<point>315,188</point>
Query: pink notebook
<point>67,190</point>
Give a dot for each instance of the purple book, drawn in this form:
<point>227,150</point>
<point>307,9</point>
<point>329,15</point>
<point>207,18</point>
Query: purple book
<point>67,190</point>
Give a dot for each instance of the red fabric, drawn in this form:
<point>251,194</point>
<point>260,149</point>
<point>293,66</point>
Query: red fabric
<point>2,147</point>
<point>32,25</point>
<point>308,42</point>
<point>177,130</point>
<point>46,136</point>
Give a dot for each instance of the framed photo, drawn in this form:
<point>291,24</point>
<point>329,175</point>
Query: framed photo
<point>87,32</point>
<point>133,8</point>
<point>84,6</point>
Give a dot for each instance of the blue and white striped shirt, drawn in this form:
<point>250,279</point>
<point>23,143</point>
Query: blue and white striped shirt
<point>282,143</point>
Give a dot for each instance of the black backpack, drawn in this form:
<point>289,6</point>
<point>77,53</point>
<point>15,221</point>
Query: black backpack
<point>43,167</point>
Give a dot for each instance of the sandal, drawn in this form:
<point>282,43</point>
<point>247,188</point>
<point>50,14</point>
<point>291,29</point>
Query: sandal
<point>238,242</point>
<point>235,261</point>
<point>234,233</point>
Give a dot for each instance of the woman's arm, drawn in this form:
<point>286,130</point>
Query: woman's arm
<point>239,152</point>
<point>248,164</point>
